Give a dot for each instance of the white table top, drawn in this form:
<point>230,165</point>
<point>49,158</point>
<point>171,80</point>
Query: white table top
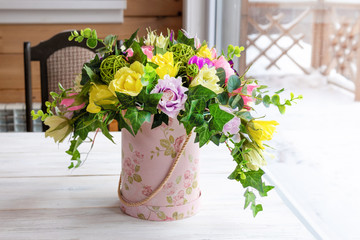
<point>41,199</point>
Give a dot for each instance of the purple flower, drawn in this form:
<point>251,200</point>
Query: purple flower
<point>200,62</point>
<point>173,98</point>
<point>233,126</point>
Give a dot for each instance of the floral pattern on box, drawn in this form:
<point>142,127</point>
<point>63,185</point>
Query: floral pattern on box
<point>146,160</point>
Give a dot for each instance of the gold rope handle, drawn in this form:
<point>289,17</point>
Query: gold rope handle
<point>168,175</point>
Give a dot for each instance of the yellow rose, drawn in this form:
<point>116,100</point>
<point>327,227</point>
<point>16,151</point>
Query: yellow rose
<point>59,128</point>
<point>259,131</point>
<point>128,80</point>
<point>254,157</point>
<point>166,65</point>
<point>100,95</point>
<point>205,52</point>
<point>207,77</point>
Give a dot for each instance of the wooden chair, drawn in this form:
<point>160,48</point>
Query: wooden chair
<point>60,61</point>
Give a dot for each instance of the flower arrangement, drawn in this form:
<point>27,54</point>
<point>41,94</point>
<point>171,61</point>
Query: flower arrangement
<point>161,77</point>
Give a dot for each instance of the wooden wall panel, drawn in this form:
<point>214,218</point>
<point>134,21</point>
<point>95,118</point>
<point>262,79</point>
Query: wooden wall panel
<point>161,15</point>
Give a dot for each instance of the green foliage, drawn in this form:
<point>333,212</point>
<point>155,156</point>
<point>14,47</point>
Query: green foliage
<point>137,118</point>
<point>233,83</point>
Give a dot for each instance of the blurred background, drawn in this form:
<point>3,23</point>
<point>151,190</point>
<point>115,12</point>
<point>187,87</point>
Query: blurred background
<point>307,47</point>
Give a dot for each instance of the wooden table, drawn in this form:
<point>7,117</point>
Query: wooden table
<point>41,199</point>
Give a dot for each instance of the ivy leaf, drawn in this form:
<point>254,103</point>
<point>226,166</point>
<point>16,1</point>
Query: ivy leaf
<point>256,208</point>
<point>249,198</point>
<point>150,101</point>
<point>233,83</point>
<point>159,118</point>
<point>219,117</point>
<point>266,189</point>
<point>137,118</point>
<point>253,179</point>
<point>200,92</point>
<point>122,123</point>
<point>204,133</point>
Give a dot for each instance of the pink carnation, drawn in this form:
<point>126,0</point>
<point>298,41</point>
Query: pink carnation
<point>221,62</point>
<point>147,190</point>
<point>247,99</point>
<point>148,51</point>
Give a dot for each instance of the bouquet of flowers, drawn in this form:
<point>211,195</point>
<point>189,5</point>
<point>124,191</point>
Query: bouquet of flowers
<point>158,77</point>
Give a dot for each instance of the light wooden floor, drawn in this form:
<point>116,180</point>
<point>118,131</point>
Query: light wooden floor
<point>41,199</point>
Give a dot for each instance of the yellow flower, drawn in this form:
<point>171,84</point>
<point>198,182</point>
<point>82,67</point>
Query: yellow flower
<point>100,95</point>
<point>205,52</point>
<point>254,157</point>
<point>261,131</point>
<point>207,77</point>
<point>161,41</point>
<point>128,80</point>
<point>166,65</point>
<point>59,128</point>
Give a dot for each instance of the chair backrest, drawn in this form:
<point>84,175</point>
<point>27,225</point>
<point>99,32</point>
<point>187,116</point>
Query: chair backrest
<point>60,61</point>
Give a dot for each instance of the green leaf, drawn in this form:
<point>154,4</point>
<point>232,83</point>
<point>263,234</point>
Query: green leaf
<point>169,199</point>
<point>281,108</point>
<point>253,179</point>
<point>220,72</point>
<point>204,133</point>
<point>138,54</point>
<point>141,216</point>
<point>178,180</point>
<point>87,33</point>
<point>137,177</point>
<point>249,198</point>
<point>161,215</point>
<point>91,42</point>
<point>280,91</point>
<point>236,101</point>
<point>129,42</point>
<point>266,100</point>
<point>92,75</point>
<point>219,117</point>
<point>266,189</point>
<point>200,92</point>
<point>256,208</point>
<point>160,118</point>
<point>130,179</point>
<point>183,39</point>
<point>137,168</point>
<point>125,100</point>
<point>137,118</point>
<point>223,98</point>
<point>233,83</point>
<point>275,99</point>
<point>150,101</point>
<point>122,124</point>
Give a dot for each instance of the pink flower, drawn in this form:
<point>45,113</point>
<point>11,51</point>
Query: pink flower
<point>247,99</point>
<point>178,199</point>
<point>178,143</point>
<point>221,62</point>
<point>148,51</point>
<point>70,101</point>
<point>138,157</point>
<point>169,188</point>
<point>130,52</point>
<point>147,190</point>
<point>187,183</point>
<point>129,167</point>
<point>187,174</point>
